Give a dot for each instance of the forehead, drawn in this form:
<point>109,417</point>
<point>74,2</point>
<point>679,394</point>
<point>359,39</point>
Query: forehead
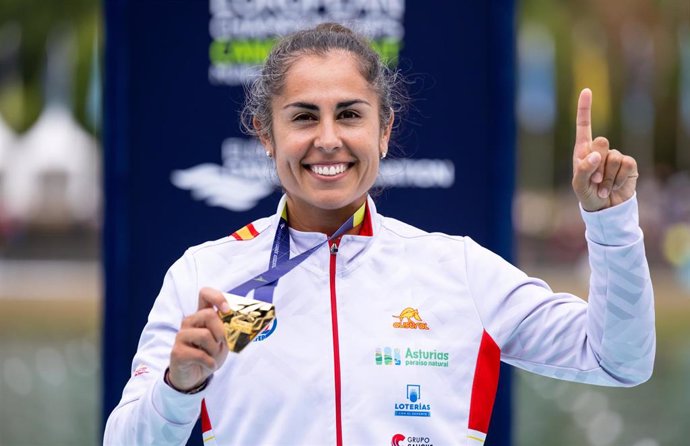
<point>320,78</point>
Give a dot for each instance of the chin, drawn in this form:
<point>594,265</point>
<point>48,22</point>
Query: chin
<point>335,201</point>
<point>334,205</point>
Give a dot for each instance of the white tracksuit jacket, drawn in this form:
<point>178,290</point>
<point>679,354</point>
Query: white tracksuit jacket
<point>395,339</point>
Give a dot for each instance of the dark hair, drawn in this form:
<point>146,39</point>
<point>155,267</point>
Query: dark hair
<point>318,41</point>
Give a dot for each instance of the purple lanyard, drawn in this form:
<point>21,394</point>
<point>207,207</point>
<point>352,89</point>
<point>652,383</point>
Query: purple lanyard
<point>280,263</point>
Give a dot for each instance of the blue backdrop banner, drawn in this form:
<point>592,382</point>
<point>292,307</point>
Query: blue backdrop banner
<point>178,170</point>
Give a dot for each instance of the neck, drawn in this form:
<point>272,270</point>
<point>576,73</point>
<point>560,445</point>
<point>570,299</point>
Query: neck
<point>326,221</point>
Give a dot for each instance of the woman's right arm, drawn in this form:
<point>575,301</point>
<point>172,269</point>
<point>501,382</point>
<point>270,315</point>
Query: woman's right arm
<point>151,411</point>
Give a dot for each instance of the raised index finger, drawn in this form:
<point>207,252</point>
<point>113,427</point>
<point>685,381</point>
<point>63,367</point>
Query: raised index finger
<point>583,134</point>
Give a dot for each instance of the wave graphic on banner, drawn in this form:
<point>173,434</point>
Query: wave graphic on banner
<point>244,178</point>
<point>218,187</point>
<point>247,176</point>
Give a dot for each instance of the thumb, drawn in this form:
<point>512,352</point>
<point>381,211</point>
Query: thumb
<point>210,297</point>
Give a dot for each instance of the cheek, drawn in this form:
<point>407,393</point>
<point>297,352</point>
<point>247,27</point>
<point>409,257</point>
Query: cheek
<point>288,159</point>
<point>287,167</point>
<point>291,143</point>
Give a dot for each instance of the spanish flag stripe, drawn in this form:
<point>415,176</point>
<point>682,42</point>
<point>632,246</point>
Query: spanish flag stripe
<point>206,429</point>
<point>358,218</point>
<point>252,230</point>
<point>205,420</point>
<point>246,233</point>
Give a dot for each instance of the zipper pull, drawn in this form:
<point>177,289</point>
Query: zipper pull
<point>334,248</point>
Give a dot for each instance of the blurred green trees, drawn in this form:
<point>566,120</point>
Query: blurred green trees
<point>28,26</point>
<point>641,43</point>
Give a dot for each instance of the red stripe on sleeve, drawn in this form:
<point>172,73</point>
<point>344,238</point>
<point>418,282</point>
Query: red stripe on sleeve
<point>205,420</point>
<point>485,384</point>
<point>236,236</point>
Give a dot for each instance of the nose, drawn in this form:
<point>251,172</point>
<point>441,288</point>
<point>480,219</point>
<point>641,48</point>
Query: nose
<point>327,138</point>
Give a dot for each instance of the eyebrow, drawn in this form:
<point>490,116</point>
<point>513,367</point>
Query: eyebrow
<point>314,107</point>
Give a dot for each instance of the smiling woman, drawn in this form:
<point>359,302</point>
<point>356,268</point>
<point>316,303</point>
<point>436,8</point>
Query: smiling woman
<point>332,371</point>
<point>324,109</point>
<point>326,140</point>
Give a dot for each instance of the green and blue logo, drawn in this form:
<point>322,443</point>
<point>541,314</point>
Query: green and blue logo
<point>413,357</point>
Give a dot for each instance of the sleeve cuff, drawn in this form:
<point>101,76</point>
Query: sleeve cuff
<point>174,406</point>
<point>614,226</point>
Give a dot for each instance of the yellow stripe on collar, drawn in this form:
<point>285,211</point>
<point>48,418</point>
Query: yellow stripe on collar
<point>358,218</point>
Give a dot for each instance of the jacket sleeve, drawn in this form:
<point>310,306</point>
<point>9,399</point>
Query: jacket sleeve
<point>608,340</point>
<point>150,412</point>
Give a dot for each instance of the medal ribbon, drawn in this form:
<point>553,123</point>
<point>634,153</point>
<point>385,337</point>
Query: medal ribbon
<point>280,263</point>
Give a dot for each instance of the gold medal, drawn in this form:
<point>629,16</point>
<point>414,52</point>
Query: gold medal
<point>246,319</point>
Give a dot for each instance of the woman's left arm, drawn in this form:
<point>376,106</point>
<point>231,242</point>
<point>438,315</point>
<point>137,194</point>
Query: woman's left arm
<point>609,340</point>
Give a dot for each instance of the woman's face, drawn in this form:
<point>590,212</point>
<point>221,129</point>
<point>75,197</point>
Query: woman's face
<point>327,138</point>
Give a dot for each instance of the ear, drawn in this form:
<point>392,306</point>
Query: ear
<point>386,133</point>
<point>264,136</point>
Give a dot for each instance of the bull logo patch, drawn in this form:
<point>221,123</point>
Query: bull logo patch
<point>414,320</point>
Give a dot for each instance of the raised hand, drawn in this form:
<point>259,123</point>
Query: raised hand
<point>200,347</point>
<point>602,177</point>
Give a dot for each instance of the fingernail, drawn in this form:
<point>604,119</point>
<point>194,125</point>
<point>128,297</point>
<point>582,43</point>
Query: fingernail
<point>603,193</point>
<point>225,307</point>
<point>597,177</point>
<point>593,157</point>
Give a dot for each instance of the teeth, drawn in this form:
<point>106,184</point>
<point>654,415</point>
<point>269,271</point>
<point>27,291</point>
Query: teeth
<point>333,169</point>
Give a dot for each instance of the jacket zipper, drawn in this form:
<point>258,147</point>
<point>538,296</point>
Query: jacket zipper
<point>336,347</point>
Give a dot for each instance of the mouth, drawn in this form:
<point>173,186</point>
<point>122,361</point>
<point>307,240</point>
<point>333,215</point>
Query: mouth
<point>329,170</point>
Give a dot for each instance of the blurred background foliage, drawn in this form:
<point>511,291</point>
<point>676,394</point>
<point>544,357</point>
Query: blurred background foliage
<point>616,47</point>
<point>635,56</point>
<point>50,278</point>
<point>26,29</point>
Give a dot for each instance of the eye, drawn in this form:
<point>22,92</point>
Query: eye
<point>349,114</point>
<point>304,117</point>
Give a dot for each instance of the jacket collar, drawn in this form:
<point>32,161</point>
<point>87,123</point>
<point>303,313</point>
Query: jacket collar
<point>350,247</point>
<point>366,230</point>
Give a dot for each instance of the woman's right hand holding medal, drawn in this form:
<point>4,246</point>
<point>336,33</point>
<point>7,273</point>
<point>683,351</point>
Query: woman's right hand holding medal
<point>200,348</point>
